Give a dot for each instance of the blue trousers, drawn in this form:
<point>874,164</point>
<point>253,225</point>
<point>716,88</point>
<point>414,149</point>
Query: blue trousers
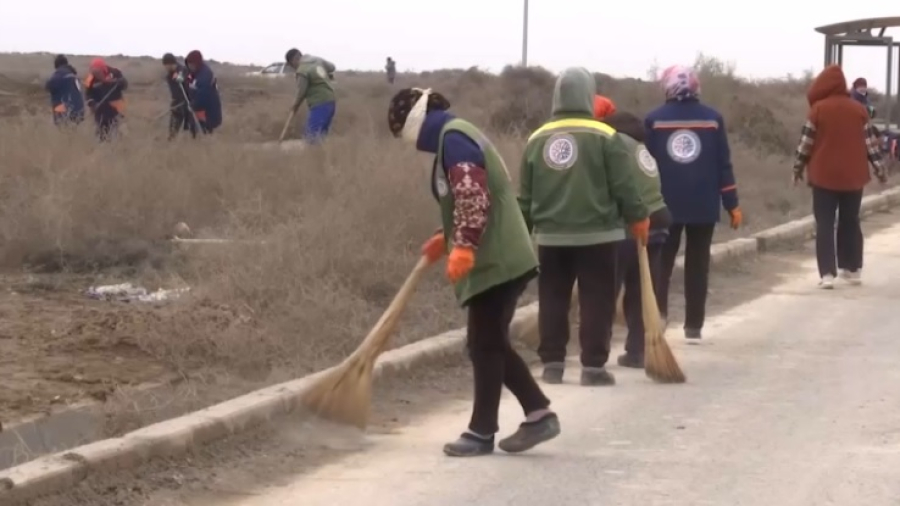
<point>318,123</point>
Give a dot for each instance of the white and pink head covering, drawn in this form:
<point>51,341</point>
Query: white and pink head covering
<point>680,83</point>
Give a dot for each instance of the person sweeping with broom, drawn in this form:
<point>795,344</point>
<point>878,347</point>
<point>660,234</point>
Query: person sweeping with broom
<point>578,192</point>
<point>628,277</point>
<point>491,261</point>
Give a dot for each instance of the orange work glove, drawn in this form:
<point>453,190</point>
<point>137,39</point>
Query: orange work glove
<point>641,231</point>
<point>459,263</point>
<point>434,248</point>
<point>737,217</point>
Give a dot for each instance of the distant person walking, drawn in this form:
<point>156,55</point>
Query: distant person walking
<point>65,93</point>
<point>689,142</point>
<point>860,93</point>
<point>204,92</point>
<point>491,261</point>
<point>578,192</point>
<point>104,90</point>
<point>179,89</point>
<point>314,85</point>
<point>837,144</point>
<point>628,277</point>
<point>391,69</point>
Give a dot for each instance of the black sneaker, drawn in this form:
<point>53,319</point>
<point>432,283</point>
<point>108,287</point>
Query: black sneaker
<point>470,445</point>
<point>596,377</point>
<point>631,361</point>
<point>690,333</point>
<point>553,373</point>
<point>531,434</point>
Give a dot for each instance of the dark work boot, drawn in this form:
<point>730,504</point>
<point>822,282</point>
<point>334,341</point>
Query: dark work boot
<point>597,377</point>
<point>470,445</point>
<point>531,434</point>
<point>553,373</point>
<point>690,333</point>
<point>632,361</point>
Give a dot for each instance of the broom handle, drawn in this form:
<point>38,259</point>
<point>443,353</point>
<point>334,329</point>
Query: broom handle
<point>287,124</point>
<point>649,307</point>
<point>391,315</point>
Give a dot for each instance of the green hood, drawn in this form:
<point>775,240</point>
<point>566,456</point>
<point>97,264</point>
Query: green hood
<point>574,92</point>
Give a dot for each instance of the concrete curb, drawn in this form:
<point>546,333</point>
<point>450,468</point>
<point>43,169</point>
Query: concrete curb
<point>55,473</point>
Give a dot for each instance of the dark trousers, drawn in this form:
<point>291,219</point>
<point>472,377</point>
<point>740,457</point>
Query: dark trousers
<point>594,267</point>
<point>494,361</point>
<point>107,125</point>
<point>628,277</point>
<point>698,241</point>
<point>849,234</point>
<point>180,119</point>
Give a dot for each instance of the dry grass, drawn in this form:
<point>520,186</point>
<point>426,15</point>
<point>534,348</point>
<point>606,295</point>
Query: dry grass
<point>337,228</point>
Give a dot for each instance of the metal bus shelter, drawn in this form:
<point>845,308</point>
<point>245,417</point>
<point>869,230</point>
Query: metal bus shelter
<point>870,33</point>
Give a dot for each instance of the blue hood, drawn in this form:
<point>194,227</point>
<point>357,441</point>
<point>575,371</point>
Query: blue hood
<point>429,136</point>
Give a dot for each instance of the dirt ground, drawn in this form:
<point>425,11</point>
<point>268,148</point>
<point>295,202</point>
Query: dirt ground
<point>265,457</point>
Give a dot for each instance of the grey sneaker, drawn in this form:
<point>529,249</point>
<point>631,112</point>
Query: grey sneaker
<point>553,373</point>
<point>851,277</point>
<point>531,434</point>
<point>469,445</point>
<point>597,377</point>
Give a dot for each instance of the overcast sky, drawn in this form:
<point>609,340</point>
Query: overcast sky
<point>766,38</point>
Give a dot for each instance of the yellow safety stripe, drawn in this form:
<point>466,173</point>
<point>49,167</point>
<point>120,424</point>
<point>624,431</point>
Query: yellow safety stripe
<point>583,124</point>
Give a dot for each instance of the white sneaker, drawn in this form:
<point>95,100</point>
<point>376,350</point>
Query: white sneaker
<point>852,277</point>
<point>827,282</point>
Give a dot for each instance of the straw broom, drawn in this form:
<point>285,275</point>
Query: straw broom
<point>659,362</point>
<point>344,393</point>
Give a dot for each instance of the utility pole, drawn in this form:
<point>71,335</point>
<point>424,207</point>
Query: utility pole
<point>525,35</point>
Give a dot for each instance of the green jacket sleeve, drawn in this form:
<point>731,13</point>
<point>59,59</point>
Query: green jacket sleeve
<point>620,173</point>
<point>525,189</point>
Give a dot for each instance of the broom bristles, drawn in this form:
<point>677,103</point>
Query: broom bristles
<point>659,361</point>
<point>344,393</point>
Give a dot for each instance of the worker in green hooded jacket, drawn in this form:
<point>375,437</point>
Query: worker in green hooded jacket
<point>314,86</point>
<point>578,194</point>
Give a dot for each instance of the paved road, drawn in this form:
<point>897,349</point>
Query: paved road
<point>794,400</point>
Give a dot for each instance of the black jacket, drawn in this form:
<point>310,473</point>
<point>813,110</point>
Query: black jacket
<point>177,89</point>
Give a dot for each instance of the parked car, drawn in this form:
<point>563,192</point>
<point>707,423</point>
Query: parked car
<point>273,70</point>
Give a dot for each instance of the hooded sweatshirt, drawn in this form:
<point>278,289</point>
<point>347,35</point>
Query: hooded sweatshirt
<point>65,94</point>
<point>577,183</point>
<point>838,141</point>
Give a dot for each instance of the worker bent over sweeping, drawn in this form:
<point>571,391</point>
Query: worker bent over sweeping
<point>577,185</point>
<point>631,130</point>
<point>65,93</point>
<point>180,117</point>
<point>204,93</point>
<point>104,89</point>
<point>314,76</point>
<point>491,261</point>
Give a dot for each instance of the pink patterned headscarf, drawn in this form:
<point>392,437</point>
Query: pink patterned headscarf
<point>680,83</point>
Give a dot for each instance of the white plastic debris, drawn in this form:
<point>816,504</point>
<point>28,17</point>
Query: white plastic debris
<point>126,292</point>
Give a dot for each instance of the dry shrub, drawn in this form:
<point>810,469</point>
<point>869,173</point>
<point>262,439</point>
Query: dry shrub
<point>331,231</point>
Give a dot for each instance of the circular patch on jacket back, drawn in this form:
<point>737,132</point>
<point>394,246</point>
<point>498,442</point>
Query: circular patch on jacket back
<point>684,146</point>
<point>441,187</point>
<point>560,151</point>
<point>646,162</point>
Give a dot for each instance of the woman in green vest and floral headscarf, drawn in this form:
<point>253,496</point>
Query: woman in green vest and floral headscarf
<point>491,261</point>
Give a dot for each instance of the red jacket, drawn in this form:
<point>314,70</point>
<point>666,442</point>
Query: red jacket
<point>839,155</point>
